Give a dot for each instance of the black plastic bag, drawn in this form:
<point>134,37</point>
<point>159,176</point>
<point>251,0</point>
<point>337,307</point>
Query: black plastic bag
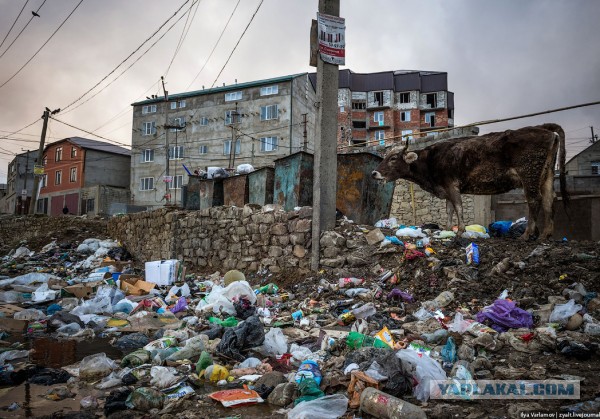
<point>248,334</point>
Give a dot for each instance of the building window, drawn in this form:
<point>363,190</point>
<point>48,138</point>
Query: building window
<point>232,117</point>
<point>173,105</point>
<point>431,100</point>
<point>73,174</point>
<point>44,180</point>
<point>268,112</point>
<point>231,96</point>
<point>227,147</point>
<point>405,116</point>
<point>378,117</point>
<point>73,152</point>
<point>178,122</point>
<point>408,133</point>
<point>268,144</point>
<point>177,181</point>
<point>45,161</point>
<point>450,113</point>
<point>176,152</point>
<point>380,135</point>
<point>358,105</point>
<point>430,118</point>
<point>342,109</point>
<point>204,121</point>
<point>58,154</point>
<point>147,155</point>
<point>203,149</point>
<point>89,205</point>
<point>57,177</point>
<point>269,90</point>
<point>149,128</point>
<point>378,98</point>
<point>148,109</point>
<point>146,184</point>
<point>182,103</point>
<point>359,124</point>
<point>404,97</point>
<point>596,168</point>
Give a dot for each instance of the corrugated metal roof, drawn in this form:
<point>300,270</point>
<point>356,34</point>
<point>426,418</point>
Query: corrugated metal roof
<point>97,145</point>
<point>434,82</point>
<point>232,87</point>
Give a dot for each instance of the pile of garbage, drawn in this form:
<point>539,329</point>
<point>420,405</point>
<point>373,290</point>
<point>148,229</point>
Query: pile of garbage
<point>439,308</point>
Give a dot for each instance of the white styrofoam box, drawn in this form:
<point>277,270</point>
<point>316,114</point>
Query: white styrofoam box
<point>162,272</point>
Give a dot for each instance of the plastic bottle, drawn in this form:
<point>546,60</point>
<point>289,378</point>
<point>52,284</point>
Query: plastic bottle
<point>444,298</point>
<point>382,405</point>
<point>364,311</point>
<point>269,289</point>
<point>350,282</point>
<point>435,337</point>
<point>309,369</point>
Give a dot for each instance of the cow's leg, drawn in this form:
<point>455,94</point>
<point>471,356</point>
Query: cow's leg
<point>456,200</point>
<point>450,213</point>
<point>534,199</point>
<point>548,205</point>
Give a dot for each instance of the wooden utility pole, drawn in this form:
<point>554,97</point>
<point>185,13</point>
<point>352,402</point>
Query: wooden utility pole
<point>36,179</point>
<point>325,157</point>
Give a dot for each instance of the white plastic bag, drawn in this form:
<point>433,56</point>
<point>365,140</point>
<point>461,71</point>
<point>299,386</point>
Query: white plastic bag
<point>163,377</point>
<point>250,363</point>
<point>245,168</point>
<point>300,353</point>
<point>96,366</point>
<point>42,294</point>
<point>328,407</point>
<point>425,369</point>
<point>175,292</point>
<point>459,324</point>
<point>29,314</point>
<point>113,379</point>
<point>562,312</point>
<point>410,232</point>
<point>376,372</point>
<point>275,342</point>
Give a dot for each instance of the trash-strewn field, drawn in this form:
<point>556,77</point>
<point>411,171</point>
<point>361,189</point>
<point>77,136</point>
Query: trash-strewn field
<point>87,331</point>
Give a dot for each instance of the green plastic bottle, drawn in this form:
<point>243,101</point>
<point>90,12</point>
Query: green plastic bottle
<point>204,362</point>
<point>228,322</point>
<point>357,340</point>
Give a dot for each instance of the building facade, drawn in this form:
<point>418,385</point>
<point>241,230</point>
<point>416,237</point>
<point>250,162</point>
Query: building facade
<point>585,163</point>
<point>265,120</point>
<point>377,107</point>
<point>75,168</point>
<point>19,183</point>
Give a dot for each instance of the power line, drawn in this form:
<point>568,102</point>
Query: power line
<point>13,25</point>
<point>132,64</point>
<point>128,57</point>
<point>184,33</point>
<point>236,45</point>
<point>43,45</point>
<point>91,133</point>
<point>216,44</point>
<point>22,30</point>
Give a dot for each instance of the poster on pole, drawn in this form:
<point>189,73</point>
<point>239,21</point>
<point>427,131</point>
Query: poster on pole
<point>332,39</point>
<point>38,170</point>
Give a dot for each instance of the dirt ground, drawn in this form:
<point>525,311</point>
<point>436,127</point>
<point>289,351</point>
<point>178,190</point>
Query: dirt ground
<point>531,271</point>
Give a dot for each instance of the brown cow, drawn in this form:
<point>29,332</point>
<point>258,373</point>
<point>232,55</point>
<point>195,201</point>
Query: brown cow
<point>489,164</point>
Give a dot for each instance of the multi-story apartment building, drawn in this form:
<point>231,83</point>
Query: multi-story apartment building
<point>84,176</point>
<point>264,119</point>
<point>374,107</point>
<point>19,183</point>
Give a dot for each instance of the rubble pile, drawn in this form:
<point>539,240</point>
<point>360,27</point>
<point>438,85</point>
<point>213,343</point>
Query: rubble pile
<point>365,337</point>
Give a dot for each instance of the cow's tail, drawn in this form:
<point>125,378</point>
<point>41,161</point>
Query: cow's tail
<point>562,159</point>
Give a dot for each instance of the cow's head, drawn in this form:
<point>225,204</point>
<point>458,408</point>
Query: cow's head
<point>395,164</point>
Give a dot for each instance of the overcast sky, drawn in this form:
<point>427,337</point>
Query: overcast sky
<point>503,58</point>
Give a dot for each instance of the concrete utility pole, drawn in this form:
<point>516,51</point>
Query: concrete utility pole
<point>594,137</point>
<point>36,179</point>
<point>305,133</point>
<point>166,94</point>
<point>24,200</point>
<point>325,157</point>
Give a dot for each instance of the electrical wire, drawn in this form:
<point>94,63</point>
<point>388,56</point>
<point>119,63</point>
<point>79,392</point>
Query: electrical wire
<point>216,44</point>
<point>14,23</point>
<point>184,33</point>
<point>127,69</point>
<point>25,27</point>
<point>236,45</point>
<point>91,133</point>
<point>129,56</point>
<point>43,45</point>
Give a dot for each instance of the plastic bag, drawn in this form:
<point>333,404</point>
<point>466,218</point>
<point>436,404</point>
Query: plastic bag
<point>29,314</point>
<point>328,407</point>
<point>425,369</point>
<point>96,366</point>
<point>248,334</point>
<point>10,355</point>
<point>504,315</point>
<point>300,353</point>
<point>459,324</point>
<point>410,232</point>
<point>95,306</point>
<point>245,168</point>
<point>562,312</point>
<point>275,342</point>
<point>238,289</point>
<point>42,294</point>
<point>113,379</point>
<point>136,358</point>
<point>250,363</point>
<point>376,372</point>
<point>163,377</point>
<point>192,348</point>
<point>69,329</point>
<point>175,292</point>
<point>449,351</point>
<point>387,223</point>
<point>145,398</point>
